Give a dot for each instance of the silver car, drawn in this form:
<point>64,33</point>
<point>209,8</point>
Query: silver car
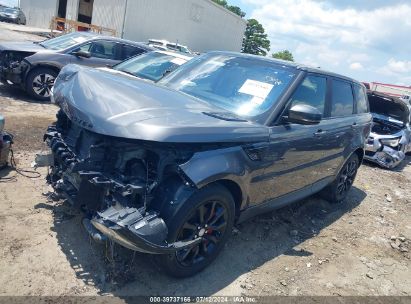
<point>35,66</point>
<point>390,137</point>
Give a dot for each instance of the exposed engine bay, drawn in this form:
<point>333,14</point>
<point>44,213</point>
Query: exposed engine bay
<point>13,66</point>
<point>121,185</point>
<point>390,137</point>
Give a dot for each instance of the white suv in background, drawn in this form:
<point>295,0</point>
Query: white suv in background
<point>165,45</point>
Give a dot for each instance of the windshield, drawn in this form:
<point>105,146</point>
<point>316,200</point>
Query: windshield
<point>10,11</point>
<point>247,86</point>
<point>65,41</point>
<point>152,66</point>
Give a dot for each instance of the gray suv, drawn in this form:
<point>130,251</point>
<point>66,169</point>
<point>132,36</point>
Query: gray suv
<point>169,168</point>
<point>35,66</point>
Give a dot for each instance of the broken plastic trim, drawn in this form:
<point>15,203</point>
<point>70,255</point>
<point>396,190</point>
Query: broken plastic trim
<point>129,228</point>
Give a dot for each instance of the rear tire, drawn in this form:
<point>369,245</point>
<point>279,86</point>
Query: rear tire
<point>39,83</point>
<point>338,190</point>
<point>208,213</point>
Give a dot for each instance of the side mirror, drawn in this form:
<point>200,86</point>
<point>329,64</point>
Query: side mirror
<point>304,115</point>
<point>82,54</point>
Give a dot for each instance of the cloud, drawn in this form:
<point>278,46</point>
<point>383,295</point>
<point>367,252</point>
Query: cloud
<point>356,66</point>
<point>398,66</point>
<point>348,37</point>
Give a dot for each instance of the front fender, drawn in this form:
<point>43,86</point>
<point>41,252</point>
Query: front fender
<point>222,164</point>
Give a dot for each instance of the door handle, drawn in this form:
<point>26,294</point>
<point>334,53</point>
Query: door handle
<point>320,133</point>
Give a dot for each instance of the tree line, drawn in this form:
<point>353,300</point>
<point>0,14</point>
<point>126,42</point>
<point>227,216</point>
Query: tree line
<point>255,39</point>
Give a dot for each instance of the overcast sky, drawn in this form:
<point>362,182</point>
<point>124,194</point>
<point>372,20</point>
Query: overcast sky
<point>11,3</point>
<point>369,40</point>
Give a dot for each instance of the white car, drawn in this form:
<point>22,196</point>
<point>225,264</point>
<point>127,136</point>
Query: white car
<point>167,45</point>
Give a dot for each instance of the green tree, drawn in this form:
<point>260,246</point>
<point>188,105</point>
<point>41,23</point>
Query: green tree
<point>221,2</point>
<point>255,39</point>
<point>234,9</point>
<point>284,55</point>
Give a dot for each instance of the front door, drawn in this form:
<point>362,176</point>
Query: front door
<point>295,151</point>
<point>103,53</point>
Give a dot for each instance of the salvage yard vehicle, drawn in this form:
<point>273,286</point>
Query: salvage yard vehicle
<point>151,66</point>
<point>13,15</point>
<point>35,66</point>
<point>169,168</point>
<point>390,137</point>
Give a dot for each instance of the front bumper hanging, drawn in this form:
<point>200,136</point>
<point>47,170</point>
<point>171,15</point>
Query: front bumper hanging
<point>129,228</point>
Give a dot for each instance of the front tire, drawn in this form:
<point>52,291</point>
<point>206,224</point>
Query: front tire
<point>39,83</point>
<point>209,213</point>
<point>338,190</point>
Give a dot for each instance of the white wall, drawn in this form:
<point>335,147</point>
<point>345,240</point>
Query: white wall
<point>40,12</point>
<point>199,24</point>
<point>109,14</point>
<point>72,9</point>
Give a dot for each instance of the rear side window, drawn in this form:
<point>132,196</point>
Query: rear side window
<point>361,99</point>
<point>131,51</point>
<point>312,92</point>
<point>342,101</point>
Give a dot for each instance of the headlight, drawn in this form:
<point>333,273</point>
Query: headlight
<point>392,142</point>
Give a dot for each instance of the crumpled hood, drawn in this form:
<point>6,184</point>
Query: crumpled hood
<point>389,106</point>
<point>122,106</point>
<point>29,47</point>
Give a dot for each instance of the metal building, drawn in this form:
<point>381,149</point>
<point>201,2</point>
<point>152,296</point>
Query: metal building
<point>202,25</point>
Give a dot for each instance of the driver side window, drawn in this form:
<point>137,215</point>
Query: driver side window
<point>312,91</point>
<point>100,49</point>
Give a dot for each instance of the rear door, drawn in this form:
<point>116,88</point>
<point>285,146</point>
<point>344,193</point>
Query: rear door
<point>340,125</point>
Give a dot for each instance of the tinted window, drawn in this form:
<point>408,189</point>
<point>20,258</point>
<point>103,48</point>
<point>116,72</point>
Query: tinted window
<point>131,51</point>
<point>342,99</point>
<point>311,92</point>
<point>103,49</point>
<point>361,99</point>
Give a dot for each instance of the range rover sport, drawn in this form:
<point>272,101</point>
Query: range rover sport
<point>169,168</point>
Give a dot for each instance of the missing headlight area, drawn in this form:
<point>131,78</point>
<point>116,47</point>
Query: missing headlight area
<point>120,184</point>
<point>13,66</point>
<point>390,137</point>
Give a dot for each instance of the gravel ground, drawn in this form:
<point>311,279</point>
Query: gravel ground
<point>310,248</point>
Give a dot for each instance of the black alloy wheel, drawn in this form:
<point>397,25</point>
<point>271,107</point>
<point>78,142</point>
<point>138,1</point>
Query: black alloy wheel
<point>208,221</point>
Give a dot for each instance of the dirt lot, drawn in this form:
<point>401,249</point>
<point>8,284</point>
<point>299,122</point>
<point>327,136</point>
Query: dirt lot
<point>311,248</point>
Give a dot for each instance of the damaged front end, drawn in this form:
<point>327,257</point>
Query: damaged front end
<point>120,184</point>
<point>390,137</point>
<point>13,67</point>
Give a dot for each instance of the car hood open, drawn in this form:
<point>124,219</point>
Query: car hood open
<point>389,106</point>
<point>121,106</point>
<point>29,47</point>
